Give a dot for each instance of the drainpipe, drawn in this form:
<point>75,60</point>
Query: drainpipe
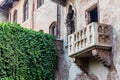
<point>58,21</point>
<point>33,9</point>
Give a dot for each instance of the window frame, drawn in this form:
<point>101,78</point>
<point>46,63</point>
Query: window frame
<point>70,20</point>
<point>87,13</point>
<point>52,28</point>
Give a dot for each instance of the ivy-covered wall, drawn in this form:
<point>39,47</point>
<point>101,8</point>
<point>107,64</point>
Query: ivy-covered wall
<point>26,54</point>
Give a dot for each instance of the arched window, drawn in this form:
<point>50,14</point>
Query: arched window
<point>70,21</point>
<point>15,16</point>
<point>26,11</point>
<point>39,3</point>
<point>52,28</point>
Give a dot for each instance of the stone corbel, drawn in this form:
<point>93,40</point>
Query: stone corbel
<point>82,63</point>
<point>103,55</point>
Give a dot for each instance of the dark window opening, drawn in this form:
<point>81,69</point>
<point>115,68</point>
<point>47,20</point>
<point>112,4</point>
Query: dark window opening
<point>70,21</point>
<point>94,15</point>
<point>91,15</point>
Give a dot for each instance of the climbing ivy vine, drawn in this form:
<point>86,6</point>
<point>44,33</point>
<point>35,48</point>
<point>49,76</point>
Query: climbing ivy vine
<point>26,54</point>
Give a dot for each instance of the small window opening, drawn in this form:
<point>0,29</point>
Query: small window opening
<point>92,15</point>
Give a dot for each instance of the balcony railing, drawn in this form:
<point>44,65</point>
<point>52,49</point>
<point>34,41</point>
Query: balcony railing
<point>91,36</point>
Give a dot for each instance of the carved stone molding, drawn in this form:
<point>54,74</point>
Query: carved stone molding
<point>103,55</point>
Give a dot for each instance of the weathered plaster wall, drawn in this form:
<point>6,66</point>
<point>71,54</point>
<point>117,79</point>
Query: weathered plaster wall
<point>97,68</point>
<point>45,15</point>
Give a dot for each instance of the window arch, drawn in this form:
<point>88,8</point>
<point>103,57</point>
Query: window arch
<point>15,16</point>
<point>70,21</point>
<point>25,11</point>
<point>52,28</point>
<point>39,3</point>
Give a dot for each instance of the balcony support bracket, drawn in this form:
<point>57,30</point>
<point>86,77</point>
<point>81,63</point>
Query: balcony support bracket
<point>82,63</point>
<point>103,55</point>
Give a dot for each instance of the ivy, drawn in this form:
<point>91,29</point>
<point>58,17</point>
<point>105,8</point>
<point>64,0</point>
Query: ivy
<point>26,54</point>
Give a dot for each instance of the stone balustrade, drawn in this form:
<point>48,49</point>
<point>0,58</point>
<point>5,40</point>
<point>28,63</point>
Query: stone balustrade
<point>95,34</point>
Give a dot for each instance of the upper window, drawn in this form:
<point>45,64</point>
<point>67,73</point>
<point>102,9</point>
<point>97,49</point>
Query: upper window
<point>70,21</point>
<point>26,11</point>
<point>52,28</point>
<point>15,16</point>
<point>92,15</point>
<point>39,3</point>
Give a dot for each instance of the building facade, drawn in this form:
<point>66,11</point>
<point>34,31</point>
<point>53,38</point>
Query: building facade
<point>91,37</point>
<point>89,30</point>
<point>33,14</point>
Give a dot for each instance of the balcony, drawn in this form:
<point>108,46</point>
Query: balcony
<point>92,40</point>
